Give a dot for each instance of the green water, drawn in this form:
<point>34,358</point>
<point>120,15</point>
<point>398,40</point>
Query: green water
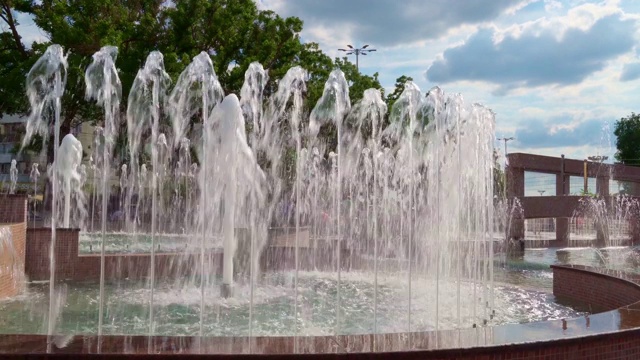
<point>177,308</point>
<point>523,294</point>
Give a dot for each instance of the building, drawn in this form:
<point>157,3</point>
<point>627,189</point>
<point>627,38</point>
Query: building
<point>12,129</point>
<point>11,133</point>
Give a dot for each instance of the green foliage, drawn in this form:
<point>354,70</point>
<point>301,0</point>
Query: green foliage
<point>15,59</point>
<point>586,193</point>
<point>627,131</point>
<point>358,82</point>
<point>319,66</point>
<point>234,32</point>
<point>397,91</point>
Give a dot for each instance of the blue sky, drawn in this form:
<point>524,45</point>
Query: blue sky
<point>558,74</point>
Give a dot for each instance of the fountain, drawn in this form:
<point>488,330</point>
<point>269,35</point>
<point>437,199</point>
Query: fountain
<point>45,85</point>
<point>260,215</point>
<point>103,85</point>
<point>508,213</point>
<point>13,176</point>
<point>611,219</point>
<point>34,175</point>
<point>66,167</point>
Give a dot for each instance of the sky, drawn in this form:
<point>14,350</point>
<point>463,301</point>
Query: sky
<point>557,73</point>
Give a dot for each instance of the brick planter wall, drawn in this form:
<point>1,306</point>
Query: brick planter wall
<point>13,213</point>
<point>597,291</point>
<point>13,209</point>
<point>616,346</point>
<point>138,266</point>
<point>37,253</point>
<point>72,266</point>
<point>12,261</point>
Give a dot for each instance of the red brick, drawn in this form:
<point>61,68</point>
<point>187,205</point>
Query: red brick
<point>12,262</point>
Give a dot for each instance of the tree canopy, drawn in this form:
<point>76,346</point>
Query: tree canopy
<point>627,131</point>
<point>234,33</point>
<point>397,91</point>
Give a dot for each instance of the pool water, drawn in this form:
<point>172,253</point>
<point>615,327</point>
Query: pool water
<point>523,286</point>
<point>177,309</point>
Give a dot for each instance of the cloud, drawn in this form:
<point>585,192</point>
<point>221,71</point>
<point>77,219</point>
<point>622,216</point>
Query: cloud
<point>537,54</point>
<point>388,22</point>
<point>630,72</point>
<point>557,132</point>
<point>552,5</point>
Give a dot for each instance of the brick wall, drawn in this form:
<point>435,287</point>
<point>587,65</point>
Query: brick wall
<point>321,258</point>
<point>13,213</point>
<point>595,290</point>
<point>37,253</point>
<point>72,266</point>
<point>12,256</point>
<point>138,266</point>
<point>13,209</point>
<point>612,346</point>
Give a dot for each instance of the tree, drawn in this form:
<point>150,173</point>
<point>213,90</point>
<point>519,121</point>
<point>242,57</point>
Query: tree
<point>15,59</point>
<point>397,91</point>
<point>627,132</point>
<point>81,27</point>
<point>358,83</point>
<point>234,33</point>
<point>318,66</point>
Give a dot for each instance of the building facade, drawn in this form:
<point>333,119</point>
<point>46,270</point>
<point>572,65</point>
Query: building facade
<point>12,129</point>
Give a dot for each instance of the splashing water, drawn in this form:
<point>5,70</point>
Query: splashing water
<point>13,176</point>
<point>146,98</point>
<point>103,86</point>
<point>610,218</point>
<point>46,81</point>
<point>45,85</point>
<point>68,174</point>
<point>34,175</point>
<point>408,198</point>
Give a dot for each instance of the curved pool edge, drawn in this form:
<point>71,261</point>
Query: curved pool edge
<point>613,334</point>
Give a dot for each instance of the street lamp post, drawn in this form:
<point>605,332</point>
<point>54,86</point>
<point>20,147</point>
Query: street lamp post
<point>357,52</point>
<point>505,139</point>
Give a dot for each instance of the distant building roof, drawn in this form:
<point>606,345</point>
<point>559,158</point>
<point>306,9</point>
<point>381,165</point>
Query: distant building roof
<point>12,119</point>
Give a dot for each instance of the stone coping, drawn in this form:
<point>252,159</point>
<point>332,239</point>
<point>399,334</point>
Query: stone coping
<point>447,344</point>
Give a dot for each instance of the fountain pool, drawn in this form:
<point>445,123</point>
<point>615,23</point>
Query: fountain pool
<point>126,308</point>
<point>405,194</point>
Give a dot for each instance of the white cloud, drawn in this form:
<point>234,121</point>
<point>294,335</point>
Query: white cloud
<point>387,22</point>
<point>562,50</point>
